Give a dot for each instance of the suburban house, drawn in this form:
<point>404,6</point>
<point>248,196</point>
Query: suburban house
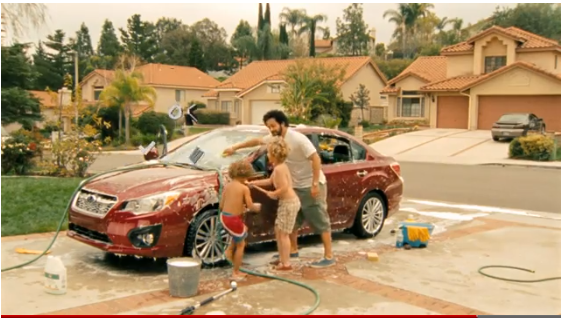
<point>329,46</point>
<point>472,83</point>
<point>256,88</point>
<point>173,85</point>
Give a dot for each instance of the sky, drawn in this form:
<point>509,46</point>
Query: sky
<point>64,15</point>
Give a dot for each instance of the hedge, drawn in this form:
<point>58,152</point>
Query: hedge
<point>532,147</point>
<point>149,123</point>
<point>213,117</point>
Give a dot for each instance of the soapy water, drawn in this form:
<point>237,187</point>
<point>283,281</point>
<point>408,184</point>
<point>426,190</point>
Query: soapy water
<point>475,208</point>
<point>183,264</point>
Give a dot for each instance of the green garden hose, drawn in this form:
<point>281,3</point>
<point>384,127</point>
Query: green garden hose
<point>515,280</point>
<point>142,166</point>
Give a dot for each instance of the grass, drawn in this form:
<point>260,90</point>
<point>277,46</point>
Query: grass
<point>198,130</point>
<point>558,155</point>
<point>34,204</point>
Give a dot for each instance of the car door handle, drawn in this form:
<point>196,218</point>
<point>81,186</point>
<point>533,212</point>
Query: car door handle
<point>361,173</point>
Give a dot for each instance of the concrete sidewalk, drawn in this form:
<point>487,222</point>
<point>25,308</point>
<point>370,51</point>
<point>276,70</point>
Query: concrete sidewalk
<point>440,279</point>
<point>452,146</point>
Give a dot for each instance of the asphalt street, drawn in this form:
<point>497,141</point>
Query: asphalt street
<point>536,189</point>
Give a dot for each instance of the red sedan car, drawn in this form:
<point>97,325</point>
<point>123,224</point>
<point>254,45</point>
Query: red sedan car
<point>170,209</point>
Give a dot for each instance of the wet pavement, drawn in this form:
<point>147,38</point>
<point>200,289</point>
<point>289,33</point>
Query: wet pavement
<point>440,279</point>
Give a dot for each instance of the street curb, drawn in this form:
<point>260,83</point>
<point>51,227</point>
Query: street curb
<point>519,165</point>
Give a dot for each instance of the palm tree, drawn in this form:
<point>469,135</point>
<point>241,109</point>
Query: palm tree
<point>293,18</point>
<point>125,90</point>
<point>398,18</point>
<point>19,14</point>
<point>309,25</point>
<point>406,18</point>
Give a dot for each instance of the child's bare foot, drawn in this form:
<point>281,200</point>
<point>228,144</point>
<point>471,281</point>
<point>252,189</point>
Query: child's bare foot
<point>282,267</point>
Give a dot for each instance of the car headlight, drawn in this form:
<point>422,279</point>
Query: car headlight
<point>151,203</point>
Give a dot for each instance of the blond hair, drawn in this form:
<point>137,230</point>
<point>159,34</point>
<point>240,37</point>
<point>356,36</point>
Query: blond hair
<point>241,169</point>
<point>278,149</point>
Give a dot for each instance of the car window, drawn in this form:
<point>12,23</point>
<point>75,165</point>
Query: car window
<point>333,149</point>
<point>209,147</point>
<point>358,151</point>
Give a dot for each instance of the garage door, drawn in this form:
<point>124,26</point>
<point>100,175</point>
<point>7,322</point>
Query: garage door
<point>260,108</point>
<point>548,107</point>
<point>452,112</point>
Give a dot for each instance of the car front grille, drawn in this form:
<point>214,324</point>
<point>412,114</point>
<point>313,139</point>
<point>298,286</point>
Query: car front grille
<point>88,233</point>
<point>93,203</point>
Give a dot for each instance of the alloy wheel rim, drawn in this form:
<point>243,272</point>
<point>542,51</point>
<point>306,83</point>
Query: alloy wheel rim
<point>211,241</point>
<point>372,215</point>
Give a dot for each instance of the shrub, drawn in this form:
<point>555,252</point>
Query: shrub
<point>17,156</point>
<point>149,123</point>
<point>213,117</point>
<point>532,147</point>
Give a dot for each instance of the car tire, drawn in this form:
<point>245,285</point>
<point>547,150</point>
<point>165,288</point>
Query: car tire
<point>201,225</point>
<point>542,130</point>
<point>496,139</point>
<point>370,225</point>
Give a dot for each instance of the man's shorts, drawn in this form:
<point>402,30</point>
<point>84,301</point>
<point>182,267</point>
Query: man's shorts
<point>313,210</point>
<point>234,226</point>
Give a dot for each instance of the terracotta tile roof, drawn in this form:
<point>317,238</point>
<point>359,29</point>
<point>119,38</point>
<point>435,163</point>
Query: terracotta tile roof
<point>389,89</point>
<point>260,71</point>
<point>464,82</point>
<point>165,75</point>
<point>429,69</point>
<point>451,84</point>
<point>323,43</point>
<point>45,98</point>
<point>210,94</point>
<point>528,40</point>
<point>159,74</point>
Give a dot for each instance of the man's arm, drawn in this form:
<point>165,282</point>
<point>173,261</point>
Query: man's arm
<point>311,153</point>
<point>248,144</point>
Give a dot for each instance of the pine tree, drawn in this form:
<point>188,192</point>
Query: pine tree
<point>260,19</point>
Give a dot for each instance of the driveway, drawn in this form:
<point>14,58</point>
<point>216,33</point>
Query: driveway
<point>441,279</point>
<point>454,146</point>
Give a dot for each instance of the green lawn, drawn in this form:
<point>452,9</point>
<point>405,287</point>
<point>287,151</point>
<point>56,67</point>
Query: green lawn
<point>34,204</point>
<point>198,130</point>
<point>558,155</point>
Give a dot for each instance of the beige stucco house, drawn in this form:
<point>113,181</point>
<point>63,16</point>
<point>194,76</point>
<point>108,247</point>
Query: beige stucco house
<point>471,84</point>
<point>173,85</point>
<point>256,89</point>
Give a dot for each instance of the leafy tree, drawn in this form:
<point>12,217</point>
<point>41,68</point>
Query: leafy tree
<point>18,105</point>
<point>540,18</point>
<point>82,44</point>
<point>361,99</point>
<point>311,88</point>
<point>175,46</point>
<point>267,17</point>
<point>19,15</point>
<point>260,20</point>
<point>108,47</point>
<point>196,56</point>
<point>392,68</point>
<point>166,25</point>
<point>139,39</point>
<point>243,42</point>
<point>17,70</point>
<point>352,32</point>
<point>213,43</point>
<point>126,89</point>
<point>380,50</point>
<point>54,63</point>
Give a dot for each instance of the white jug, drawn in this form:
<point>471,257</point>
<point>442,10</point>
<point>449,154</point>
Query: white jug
<point>55,276</point>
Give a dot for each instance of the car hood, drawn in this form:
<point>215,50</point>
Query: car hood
<point>147,181</point>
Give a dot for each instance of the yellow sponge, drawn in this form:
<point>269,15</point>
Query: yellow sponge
<point>372,256</point>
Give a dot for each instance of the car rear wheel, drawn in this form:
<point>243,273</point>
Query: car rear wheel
<point>370,216</point>
<point>206,239</point>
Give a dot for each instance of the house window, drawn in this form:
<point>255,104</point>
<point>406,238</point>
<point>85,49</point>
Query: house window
<point>236,113</point>
<point>177,95</point>
<point>227,106</point>
<point>384,100</point>
<point>97,92</point>
<point>275,88</point>
<point>410,107</point>
<point>556,60</point>
<point>494,63</point>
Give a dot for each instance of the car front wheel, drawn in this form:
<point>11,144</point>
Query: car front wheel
<point>370,216</point>
<point>206,239</point>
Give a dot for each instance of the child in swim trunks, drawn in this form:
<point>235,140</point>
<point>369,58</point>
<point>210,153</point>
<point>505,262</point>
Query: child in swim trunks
<point>235,198</point>
<point>289,203</point>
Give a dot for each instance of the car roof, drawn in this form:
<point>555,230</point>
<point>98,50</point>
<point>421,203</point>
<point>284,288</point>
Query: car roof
<point>297,127</point>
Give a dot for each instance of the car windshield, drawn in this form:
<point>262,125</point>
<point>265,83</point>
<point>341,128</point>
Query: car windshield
<point>514,118</point>
<point>207,149</point>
